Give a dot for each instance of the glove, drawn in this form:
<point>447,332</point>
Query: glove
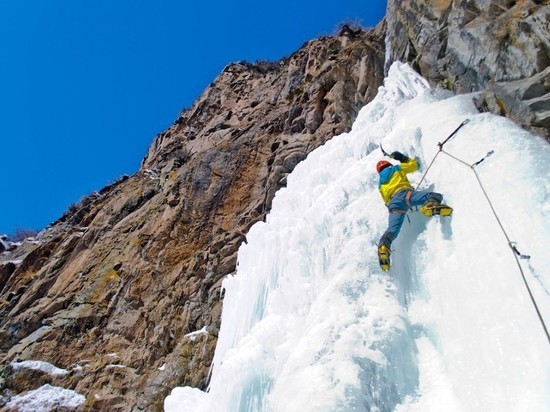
<point>399,156</point>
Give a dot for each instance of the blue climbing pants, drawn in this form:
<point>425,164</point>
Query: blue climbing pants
<point>398,207</point>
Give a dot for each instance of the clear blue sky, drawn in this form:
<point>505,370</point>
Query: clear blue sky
<point>86,85</point>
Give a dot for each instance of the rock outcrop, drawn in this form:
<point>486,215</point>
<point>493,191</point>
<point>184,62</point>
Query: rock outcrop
<point>114,290</point>
<point>500,48</point>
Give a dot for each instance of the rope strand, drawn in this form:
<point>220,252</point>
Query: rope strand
<point>427,170</point>
<point>455,131</point>
<point>510,243</point>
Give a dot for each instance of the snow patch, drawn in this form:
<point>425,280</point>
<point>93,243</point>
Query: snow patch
<point>45,399</point>
<point>39,366</point>
<point>194,335</point>
<point>115,366</point>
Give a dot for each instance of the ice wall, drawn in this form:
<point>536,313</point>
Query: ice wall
<point>311,323</point>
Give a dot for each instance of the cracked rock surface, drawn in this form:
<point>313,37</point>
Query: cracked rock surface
<point>110,291</point>
<point>499,48</point>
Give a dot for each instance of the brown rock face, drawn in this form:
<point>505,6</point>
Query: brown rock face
<point>500,48</point>
<point>110,291</point>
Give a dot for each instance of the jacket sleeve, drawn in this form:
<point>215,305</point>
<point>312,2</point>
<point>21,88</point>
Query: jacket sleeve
<point>409,166</point>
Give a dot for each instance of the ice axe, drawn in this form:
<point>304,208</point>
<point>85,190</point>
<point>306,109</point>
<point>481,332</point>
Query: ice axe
<point>385,153</point>
<point>394,155</point>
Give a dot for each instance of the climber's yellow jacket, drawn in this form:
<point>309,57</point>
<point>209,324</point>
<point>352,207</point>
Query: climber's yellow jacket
<point>393,179</point>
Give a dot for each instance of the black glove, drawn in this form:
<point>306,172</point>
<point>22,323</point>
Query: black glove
<point>399,156</point>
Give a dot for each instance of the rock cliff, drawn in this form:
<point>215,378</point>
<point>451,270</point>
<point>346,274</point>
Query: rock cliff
<point>113,291</point>
<point>499,48</point>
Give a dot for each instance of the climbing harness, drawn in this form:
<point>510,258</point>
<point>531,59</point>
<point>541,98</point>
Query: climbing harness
<point>408,199</point>
<point>511,244</point>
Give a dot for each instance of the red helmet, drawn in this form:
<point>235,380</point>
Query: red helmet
<point>382,164</point>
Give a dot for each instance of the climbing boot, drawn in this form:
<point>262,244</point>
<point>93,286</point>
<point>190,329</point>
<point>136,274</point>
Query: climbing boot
<point>434,208</point>
<point>384,257</point>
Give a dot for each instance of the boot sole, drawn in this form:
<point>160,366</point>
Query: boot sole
<point>437,211</point>
<point>384,261</point>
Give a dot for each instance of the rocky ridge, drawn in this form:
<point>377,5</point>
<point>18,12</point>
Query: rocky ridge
<point>123,291</point>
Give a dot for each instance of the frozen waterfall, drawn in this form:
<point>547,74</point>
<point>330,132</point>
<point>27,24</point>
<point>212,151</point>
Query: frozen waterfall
<point>311,323</point>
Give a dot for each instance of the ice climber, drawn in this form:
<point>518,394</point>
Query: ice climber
<point>400,197</point>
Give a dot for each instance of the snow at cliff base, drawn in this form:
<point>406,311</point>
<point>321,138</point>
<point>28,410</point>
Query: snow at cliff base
<point>47,398</point>
<point>311,323</point>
